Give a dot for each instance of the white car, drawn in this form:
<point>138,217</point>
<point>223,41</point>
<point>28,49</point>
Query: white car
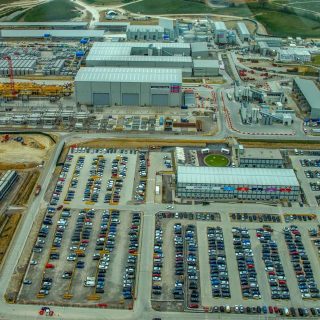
<point>71,257</point>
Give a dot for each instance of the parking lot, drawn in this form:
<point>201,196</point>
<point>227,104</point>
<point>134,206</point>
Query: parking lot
<point>308,178</point>
<point>82,256</point>
<point>79,252</point>
<point>241,266</point>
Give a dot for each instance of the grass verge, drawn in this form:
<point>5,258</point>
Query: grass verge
<point>7,233</point>
<point>22,197</point>
<point>168,6</point>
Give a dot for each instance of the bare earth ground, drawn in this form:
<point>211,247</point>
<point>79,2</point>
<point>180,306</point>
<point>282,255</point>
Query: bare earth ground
<point>15,155</point>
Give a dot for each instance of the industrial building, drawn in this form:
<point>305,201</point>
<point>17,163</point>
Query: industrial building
<point>308,96</point>
<point>170,28</point>
<point>100,50</point>
<point>145,33</point>
<point>185,63</point>
<point>273,42</point>
<point>243,31</point>
<point>144,55</point>
<point>292,54</point>
<point>207,183</point>
<point>112,26</point>
<point>260,158</point>
<point>128,86</point>
<point>205,68</point>
<point>41,25</point>
<point>199,50</point>
<point>153,55</point>
<point>50,34</point>
<point>220,32</point>
<point>6,182</point>
<point>242,93</point>
<point>265,114</point>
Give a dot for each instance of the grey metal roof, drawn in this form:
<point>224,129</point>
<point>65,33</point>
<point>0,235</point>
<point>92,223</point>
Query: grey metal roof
<point>310,92</point>
<point>141,44</point>
<point>107,24</point>
<point>266,38</point>
<point>101,53</point>
<point>197,63</point>
<point>95,57</point>
<point>263,45</point>
<point>51,24</point>
<point>102,50</point>
<point>145,28</point>
<point>110,74</point>
<point>54,33</point>
<point>219,25</point>
<point>243,28</point>
<point>237,176</point>
<point>199,46</point>
<point>260,153</point>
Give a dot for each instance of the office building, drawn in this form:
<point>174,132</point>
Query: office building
<point>207,183</point>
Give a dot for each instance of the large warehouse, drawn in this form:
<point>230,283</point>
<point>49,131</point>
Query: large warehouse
<point>308,96</point>
<point>54,34</point>
<point>128,86</point>
<point>236,183</point>
<point>153,55</point>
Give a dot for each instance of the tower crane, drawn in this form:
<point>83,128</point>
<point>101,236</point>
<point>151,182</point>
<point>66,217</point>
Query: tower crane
<point>10,68</point>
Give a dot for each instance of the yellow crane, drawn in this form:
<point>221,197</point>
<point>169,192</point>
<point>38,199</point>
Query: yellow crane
<point>31,89</point>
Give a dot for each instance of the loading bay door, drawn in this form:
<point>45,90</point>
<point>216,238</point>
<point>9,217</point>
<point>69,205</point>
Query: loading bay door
<point>160,100</point>
<point>101,99</point>
<point>130,99</point>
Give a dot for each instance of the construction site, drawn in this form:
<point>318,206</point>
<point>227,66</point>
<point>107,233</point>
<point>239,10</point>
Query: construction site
<point>22,159</point>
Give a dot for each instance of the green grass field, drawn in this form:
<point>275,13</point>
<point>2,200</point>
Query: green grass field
<point>277,23</point>
<point>282,24</point>
<point>56,10</point>
<point>316,60</point>
<point>106,2</point>
<point>313,5</point>
<point>216,160</point>
<point>168,6</point>
<point>6,1</point>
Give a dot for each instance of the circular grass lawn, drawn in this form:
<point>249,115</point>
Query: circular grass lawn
<point>216,160</point>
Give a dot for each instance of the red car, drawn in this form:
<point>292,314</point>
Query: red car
<point>60,207</point>
<point>276,309</point>
<point>193,306</point>
<point>270,309</point>
<point>49,266</point>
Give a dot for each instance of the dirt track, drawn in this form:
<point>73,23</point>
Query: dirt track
<point>137,143</point>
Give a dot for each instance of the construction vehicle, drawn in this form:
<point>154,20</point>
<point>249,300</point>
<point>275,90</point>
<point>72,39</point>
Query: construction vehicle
<point>26,90</point>
<point>38,189</point>
<point>5,138</point>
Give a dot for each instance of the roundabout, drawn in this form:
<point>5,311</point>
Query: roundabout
<point>216,160</point>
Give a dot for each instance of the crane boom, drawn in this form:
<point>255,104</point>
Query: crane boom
<point>10,68</point>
